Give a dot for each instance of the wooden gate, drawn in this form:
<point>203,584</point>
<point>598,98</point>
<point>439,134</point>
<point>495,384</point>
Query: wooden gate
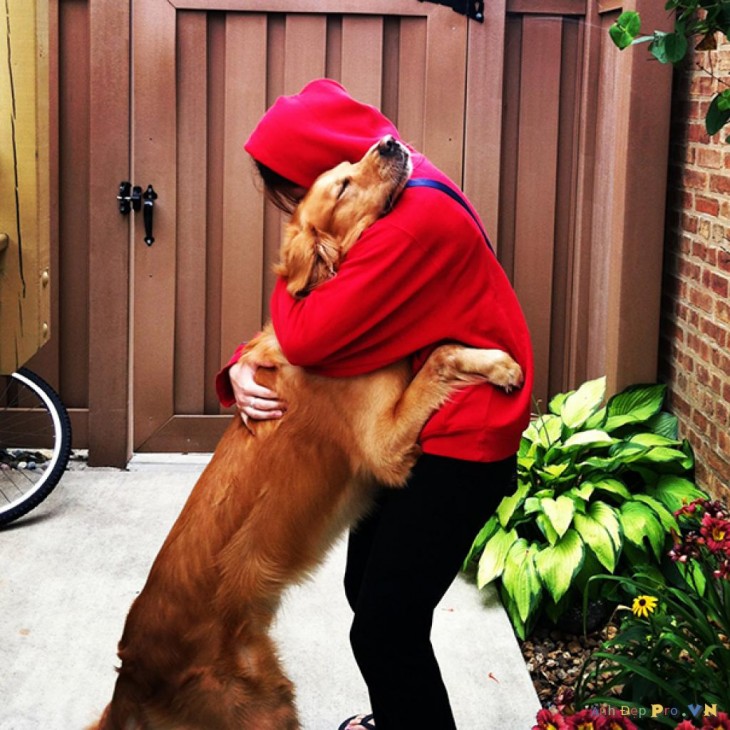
<point>204,73</point>
<point>530,111</point>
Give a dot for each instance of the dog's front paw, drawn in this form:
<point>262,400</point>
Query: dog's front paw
<point>506,374</point>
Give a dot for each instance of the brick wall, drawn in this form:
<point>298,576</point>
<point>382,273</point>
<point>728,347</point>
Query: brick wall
<point>695,341</point>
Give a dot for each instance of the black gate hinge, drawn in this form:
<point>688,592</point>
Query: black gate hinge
<point>473,9</point>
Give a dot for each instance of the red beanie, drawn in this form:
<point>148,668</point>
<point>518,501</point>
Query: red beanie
<point>303,135</point>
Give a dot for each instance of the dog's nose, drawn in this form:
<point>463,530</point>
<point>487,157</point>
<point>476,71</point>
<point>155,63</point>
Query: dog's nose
<point>388,146</point>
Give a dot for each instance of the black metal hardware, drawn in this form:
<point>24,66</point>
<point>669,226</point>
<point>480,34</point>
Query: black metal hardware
<point>149,207</point>
<point>132,198</point>
<point>473,9</point>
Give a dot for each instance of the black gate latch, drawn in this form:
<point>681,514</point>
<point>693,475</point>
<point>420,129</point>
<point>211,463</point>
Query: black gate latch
<point>132,198</point>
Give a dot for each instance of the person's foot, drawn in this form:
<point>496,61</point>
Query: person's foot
<point>358,722</point>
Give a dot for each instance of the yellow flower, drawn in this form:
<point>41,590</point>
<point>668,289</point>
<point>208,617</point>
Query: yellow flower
<point>644,605</point>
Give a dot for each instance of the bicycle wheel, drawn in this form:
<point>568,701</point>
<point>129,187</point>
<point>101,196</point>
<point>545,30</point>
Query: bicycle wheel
<point>35,442</point>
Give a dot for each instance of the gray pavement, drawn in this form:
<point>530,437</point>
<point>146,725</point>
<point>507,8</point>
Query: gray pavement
<point>72,567</point>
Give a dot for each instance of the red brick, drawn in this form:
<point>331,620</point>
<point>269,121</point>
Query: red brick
<point>689,223</point>
<point>710,257</point>
<point>701,85</point>
<point>697,133</point>
<point>715,461</point>
<point>721,361</point>
<point>710,206</point>
<point>723,414</point>
<point>707,157</point>
<point>720,184</point>
<point>689,270</point>
<point>700,422</point>
<point>722,312</point>
<point>695,179</point>
<point>715,332</point>
<point>700,298</point>
<point>719,284</point>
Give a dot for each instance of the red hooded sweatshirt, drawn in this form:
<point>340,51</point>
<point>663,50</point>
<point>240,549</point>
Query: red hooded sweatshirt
<point>420,276</point>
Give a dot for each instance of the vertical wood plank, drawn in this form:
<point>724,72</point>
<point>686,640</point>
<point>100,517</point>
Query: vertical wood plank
<point>154,162</point>
<point>445,91</point>
<point>483,115</point>
<point>362,58</point>
<point>109,271</point>
<point>242,203</point>
<point>412,81</point>
<point>610,127</point>
<point>192,191</point>
<point>566,204</point>
<point>510,145</point>
<point>304,51</point>
<point>275,83</point>
<point>333,64</point>
<point>391,65</point>
<point>578,336</point>
<point>73,253</point>
<point>636,257</point>
<point>216,53</point>
<point>535,209</point>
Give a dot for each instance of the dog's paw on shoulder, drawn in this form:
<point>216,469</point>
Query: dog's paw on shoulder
<point>507,374</point>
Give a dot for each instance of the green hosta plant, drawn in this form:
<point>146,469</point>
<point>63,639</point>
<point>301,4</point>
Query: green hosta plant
<point>597,486</point>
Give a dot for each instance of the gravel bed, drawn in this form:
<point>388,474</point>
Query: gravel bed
<point>554,659</point>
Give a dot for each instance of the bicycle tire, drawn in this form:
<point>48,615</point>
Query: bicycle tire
<point>33,423</point>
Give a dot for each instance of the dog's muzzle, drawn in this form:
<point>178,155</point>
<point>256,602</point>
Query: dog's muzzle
<point>390,147</point>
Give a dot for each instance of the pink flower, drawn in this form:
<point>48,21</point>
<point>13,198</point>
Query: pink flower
<point>716,533</point>
<point>587,720</point>
<point>547,720</point>
<point>721,722</point>
<point>685,725</point>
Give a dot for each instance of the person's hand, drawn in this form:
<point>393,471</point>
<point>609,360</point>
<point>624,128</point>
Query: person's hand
<point>254,401</point>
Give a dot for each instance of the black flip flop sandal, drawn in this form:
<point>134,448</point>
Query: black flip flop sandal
<point>365,721</point>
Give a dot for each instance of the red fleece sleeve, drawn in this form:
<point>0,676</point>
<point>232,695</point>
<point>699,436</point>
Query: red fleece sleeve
<point>394,294</point>
<point>223,381</point>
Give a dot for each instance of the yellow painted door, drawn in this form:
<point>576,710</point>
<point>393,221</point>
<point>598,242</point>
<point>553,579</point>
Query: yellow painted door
<point>24,183</point>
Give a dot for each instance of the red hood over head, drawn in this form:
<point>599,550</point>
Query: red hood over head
<point>303,135</point>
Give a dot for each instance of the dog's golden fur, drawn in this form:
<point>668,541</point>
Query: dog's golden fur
<point>196,652</point>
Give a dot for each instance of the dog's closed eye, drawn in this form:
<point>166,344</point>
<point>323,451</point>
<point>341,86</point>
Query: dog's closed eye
<point>344,184</point>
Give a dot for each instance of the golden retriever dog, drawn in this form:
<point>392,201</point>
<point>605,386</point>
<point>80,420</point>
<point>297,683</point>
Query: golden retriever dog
<point>196,653</point>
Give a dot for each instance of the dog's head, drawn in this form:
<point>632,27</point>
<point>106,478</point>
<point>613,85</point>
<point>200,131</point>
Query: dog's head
<point>338,207</point>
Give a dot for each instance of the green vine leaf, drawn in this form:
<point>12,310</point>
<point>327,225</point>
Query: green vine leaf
<point>625,29</point>
<point>718,114</point>
<point>669,47</point>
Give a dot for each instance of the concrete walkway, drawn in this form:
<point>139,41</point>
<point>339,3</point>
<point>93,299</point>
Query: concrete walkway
<point>72,567</point>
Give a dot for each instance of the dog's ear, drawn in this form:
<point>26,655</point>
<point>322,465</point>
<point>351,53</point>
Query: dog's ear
<point>308,258</point>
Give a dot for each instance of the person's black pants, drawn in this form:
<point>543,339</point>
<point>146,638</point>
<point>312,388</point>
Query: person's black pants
<point>401,560</point>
